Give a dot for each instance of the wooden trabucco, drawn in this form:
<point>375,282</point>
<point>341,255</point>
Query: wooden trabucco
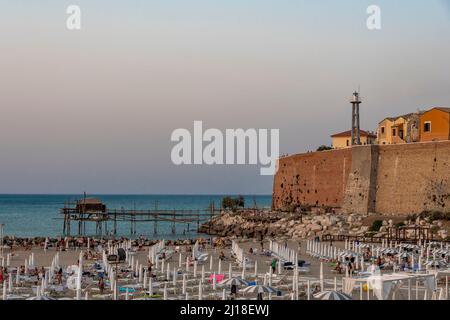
<point>93,211</point>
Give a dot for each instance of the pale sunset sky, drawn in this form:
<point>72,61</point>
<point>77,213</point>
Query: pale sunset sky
<point>93,110</point>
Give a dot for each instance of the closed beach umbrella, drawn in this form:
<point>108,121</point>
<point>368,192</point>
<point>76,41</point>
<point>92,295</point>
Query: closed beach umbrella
<point>214,281</point>
<point>210,263</point>
<point>174,277</point>
<point>4,290</point>
<point>195,269</point>
<point>224,294</point>
<point>321,276</point>
<point>150,286</point>
<point>179,260</point>
<point>184,284</point>
<point>230,271</point>
<point>332,295</point>
<point>168,272</point>
<point>203,274</point>
<point>165,292</point>
<point>243,268</point>
<point>219,269</point>
<point>200,291</point>
<point>10,283</point>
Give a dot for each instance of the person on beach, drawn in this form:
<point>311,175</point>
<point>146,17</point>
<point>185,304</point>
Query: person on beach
<point>222,256</point>
<point>233,290</point>
<point>274,265</point>
<point>101,285</point>
<point>2,276</point>
<point>59,276</point>
<point>149,266</point>
<point>338,267</point>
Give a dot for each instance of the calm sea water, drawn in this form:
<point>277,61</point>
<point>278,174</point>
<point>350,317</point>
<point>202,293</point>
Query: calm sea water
<point>38,215</point>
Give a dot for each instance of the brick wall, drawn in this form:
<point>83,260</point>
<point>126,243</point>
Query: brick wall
<point>413,177</point>
<point>317,179</point>
<point>387,179</point>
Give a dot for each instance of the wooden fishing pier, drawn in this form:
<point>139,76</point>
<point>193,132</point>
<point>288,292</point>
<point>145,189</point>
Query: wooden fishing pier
<point>90,210</point>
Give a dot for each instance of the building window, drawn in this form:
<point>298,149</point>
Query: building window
<point>382,130</point>
<point>427,126</point>
<point>394,132</point>
<point>400,133</point>
<point>348,142</point>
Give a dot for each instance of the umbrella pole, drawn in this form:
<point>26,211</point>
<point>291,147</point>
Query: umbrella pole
<point>368,291</point>
<point>417,289</point>
<point>308,289</point>
<point>409,289</point>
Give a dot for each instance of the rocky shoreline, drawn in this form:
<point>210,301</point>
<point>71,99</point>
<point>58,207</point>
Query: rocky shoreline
<point>251,224</point>
<point>12,241</point>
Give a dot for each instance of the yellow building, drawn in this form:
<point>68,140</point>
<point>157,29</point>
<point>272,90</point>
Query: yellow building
<point>435,124</point>
<point>401,129</point>
<point>344,139</point>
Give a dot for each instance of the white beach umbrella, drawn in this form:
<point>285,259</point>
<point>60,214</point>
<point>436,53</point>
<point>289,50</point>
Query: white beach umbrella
<point>41,298</point>
<point>243,269</point>
<point>210,263</point>
<point>203,274</point>
<point>180,259</point>
<point>214,281</point>
<point>233,281</point>
<point>224,294</point>
<point>332,295</point>
<point>259,289</point>
<point>230,271</point>
<point>219,269</point>
<point>187,264</point>
<point>256,268</point>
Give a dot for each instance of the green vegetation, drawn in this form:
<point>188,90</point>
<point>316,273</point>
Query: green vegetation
<point>324,148</point>
<point>399,225</point>
<point>376,225</point>
<point>430,216</point>
<point>233,203</point>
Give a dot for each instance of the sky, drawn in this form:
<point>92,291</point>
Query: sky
<point>93,109</point>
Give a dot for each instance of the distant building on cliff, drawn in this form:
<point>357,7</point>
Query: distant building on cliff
<point>435,125</point>
<point>344,139</point>
<point>401,129</point>
<point>421,126</point>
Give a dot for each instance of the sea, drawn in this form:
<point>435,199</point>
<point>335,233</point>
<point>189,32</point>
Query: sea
<point>27,215</point>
